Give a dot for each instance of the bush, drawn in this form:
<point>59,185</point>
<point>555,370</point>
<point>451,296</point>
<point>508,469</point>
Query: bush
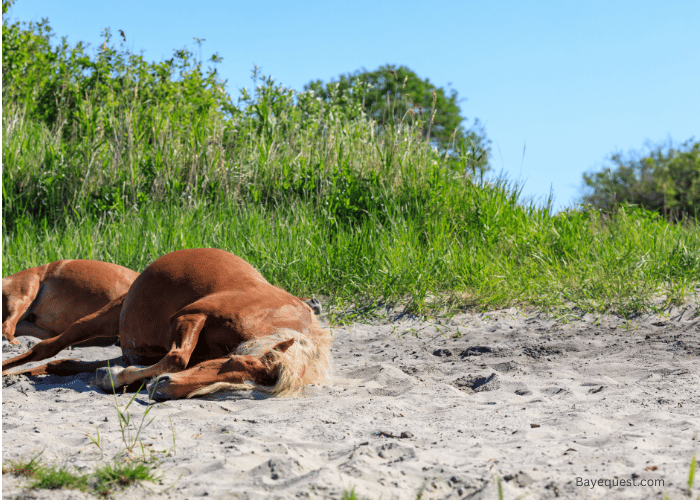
<point>666,181</point>
<point>99,133</point>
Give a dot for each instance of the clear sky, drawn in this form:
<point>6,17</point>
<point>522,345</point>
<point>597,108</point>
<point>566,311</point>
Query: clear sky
<point>568,81</point>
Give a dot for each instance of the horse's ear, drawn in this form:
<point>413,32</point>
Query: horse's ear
<point>284,345</point>
<point>280,348</point>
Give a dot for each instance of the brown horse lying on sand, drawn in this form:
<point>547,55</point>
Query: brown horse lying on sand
<point>204,320</point>
<point>44,301</point>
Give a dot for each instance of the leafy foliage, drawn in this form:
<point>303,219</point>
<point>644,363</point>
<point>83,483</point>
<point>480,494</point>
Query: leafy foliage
<point>95,131</point>
<point>666,181</point>
<point>392,94</point>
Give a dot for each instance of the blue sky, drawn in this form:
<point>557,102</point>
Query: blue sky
<point>571,81</point>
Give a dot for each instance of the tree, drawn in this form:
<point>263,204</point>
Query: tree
<point>391,94</point>
<point>666,180</point>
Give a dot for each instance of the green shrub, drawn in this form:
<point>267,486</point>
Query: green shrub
<point>666,181</point>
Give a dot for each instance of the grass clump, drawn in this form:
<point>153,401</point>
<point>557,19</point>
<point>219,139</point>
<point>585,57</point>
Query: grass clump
<point>104,481</point>
<point>54,478</point>
<point>350,495</point>
<point>22,467</point>
<point>119,475</point>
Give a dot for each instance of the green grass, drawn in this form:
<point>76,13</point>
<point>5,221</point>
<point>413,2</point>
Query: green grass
<point>112,158</point>
<point>351,495</point>
<point>112,476</point>
<point>103,481</point>
<point>54,478</point>
<point>436,261</point>
<point>691,473</point>
<point>24,467</point>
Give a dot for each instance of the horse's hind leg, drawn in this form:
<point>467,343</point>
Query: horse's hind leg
<point>18,293</point>
<point>25,328</point>
<point>65,367</point>
<point>103,323</point>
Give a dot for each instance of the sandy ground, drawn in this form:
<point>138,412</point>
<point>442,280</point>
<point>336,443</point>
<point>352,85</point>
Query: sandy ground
<point>429,409</point>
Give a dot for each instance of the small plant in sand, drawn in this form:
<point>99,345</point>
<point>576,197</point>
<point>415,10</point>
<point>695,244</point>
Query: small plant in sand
<point>122,472</point>
<point>55,478</point>
<point>121,475</point>
<point>691,478</point>
<point>22,467</point>
<point>691,472</point>
<point>131,432</point>
<point>351,495</point>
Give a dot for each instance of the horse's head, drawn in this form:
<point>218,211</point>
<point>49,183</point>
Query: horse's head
<point>239,371</point>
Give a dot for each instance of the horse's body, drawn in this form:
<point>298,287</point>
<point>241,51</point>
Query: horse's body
<point>203,320</point>
<point>44,301</point>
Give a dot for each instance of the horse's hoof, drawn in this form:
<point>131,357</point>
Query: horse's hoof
<point>106,378</point>
<point>156,388</point>
<point>315,305</point>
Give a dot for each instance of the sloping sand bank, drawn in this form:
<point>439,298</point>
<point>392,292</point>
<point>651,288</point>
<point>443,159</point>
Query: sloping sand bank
<point>439,408</point>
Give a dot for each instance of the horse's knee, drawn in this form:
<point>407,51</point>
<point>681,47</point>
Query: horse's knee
<point>176,361</point>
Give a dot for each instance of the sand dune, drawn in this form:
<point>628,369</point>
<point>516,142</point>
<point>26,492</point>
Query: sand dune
<point>433,407</point>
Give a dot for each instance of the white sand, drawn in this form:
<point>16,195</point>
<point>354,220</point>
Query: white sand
<point>541,402</point>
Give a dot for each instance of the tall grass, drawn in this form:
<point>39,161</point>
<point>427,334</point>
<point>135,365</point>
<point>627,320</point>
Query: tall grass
<point>131,160</point>
<point>509,255</point>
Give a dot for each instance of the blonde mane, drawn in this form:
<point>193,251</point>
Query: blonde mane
<point>307,361</point>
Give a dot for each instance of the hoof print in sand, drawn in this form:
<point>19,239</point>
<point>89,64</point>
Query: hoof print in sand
<point>442,353</point>
<point>506,367</point>
<point>462,353</point>
<point>476,350</point>
<point>538,352</point>
<point>394,452</point>
<point>278,468</point>
<point>475,383</point>
<point>521,479</point>
<point>8,380</point>
<point>555,391</point>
